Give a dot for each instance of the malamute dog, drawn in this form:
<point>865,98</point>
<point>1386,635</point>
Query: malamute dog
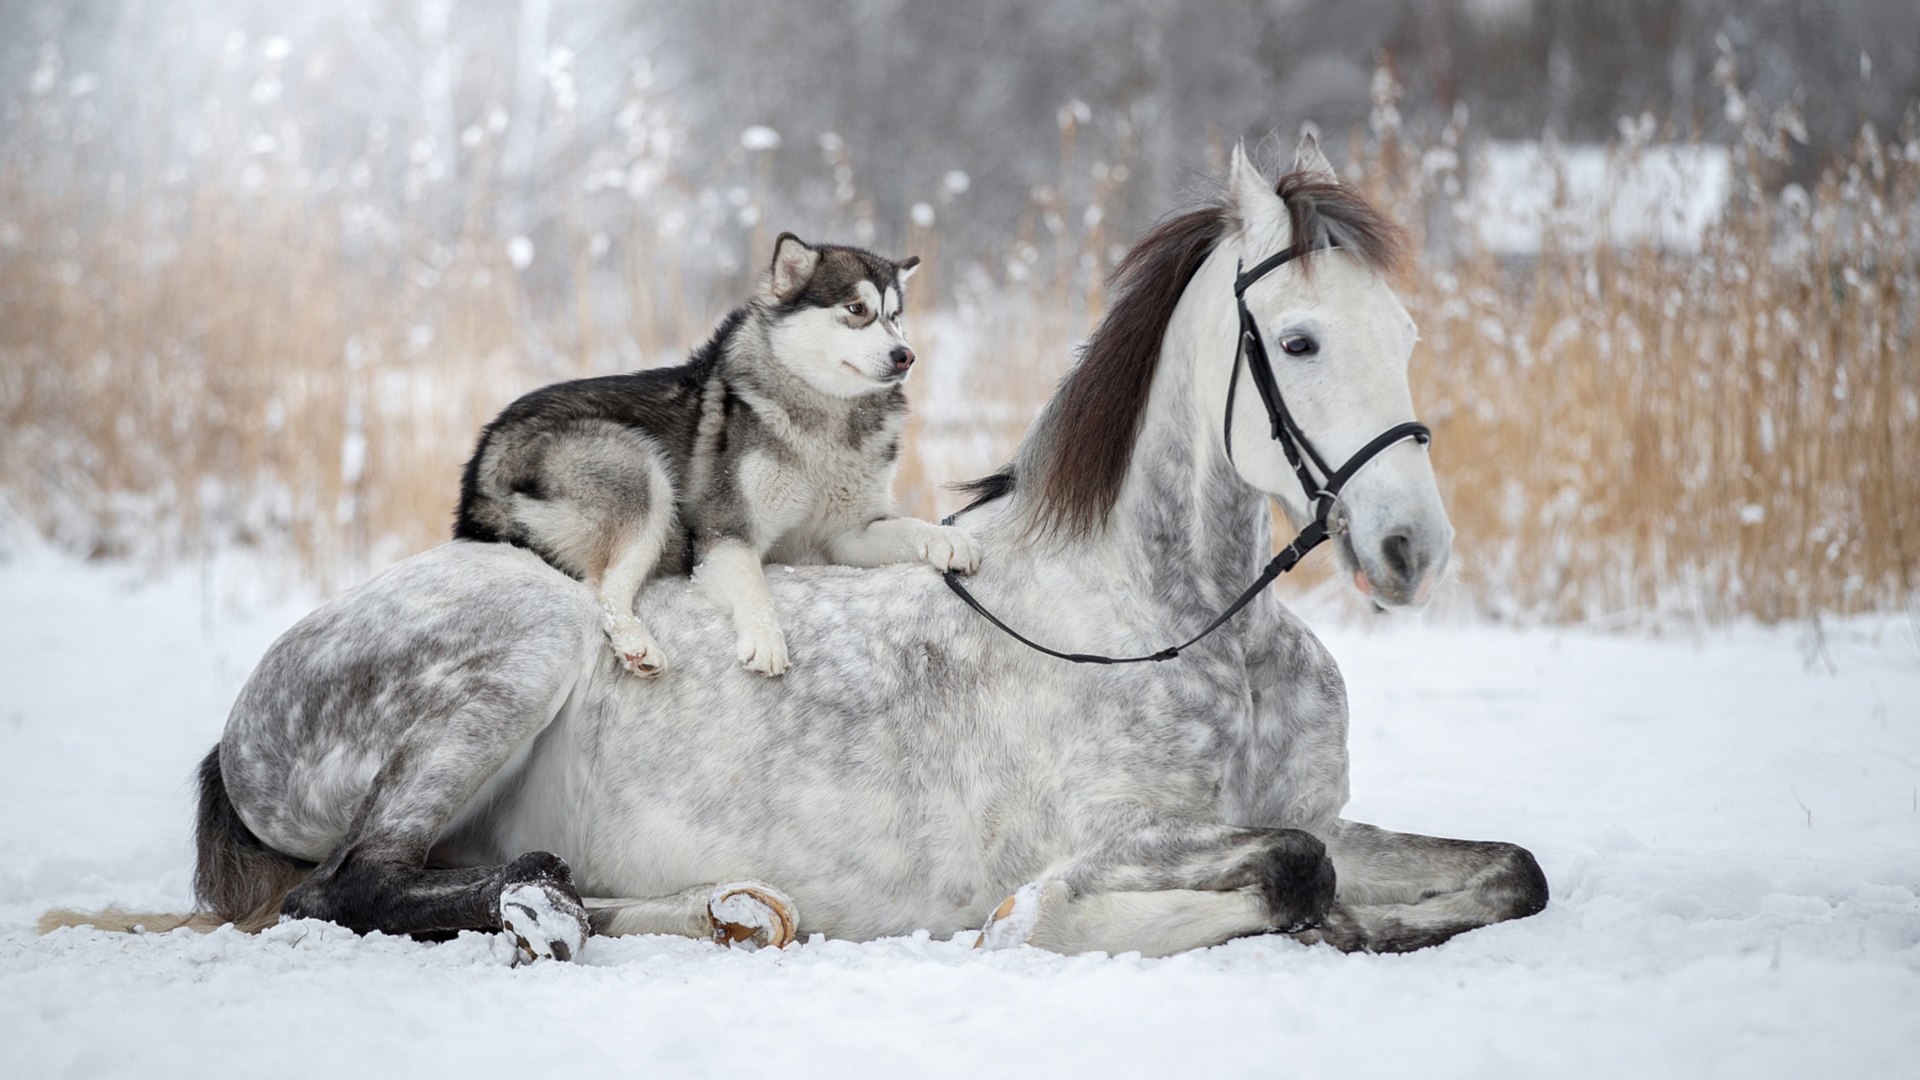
<point>777,439</point>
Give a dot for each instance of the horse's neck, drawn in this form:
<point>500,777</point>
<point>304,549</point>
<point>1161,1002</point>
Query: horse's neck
<point>1199,531</point>
<point>1185,531</point>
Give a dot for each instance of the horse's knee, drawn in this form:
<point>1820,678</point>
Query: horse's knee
<point>1297,880</point>
<point>539,867</point>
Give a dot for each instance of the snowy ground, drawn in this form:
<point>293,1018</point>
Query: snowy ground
<point>1731,826</point>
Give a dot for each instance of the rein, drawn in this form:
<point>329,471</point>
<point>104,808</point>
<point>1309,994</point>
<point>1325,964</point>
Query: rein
<point>1300,452</point>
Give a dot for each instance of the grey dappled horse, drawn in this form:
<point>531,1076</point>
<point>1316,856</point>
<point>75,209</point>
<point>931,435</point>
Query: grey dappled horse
<point>397,753</point>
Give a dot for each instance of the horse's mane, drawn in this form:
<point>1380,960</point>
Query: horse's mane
<point>1075,469</point>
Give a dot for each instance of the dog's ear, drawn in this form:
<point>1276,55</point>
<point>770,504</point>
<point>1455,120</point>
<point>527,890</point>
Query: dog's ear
<point>905,269</point>
<point>793,266</point>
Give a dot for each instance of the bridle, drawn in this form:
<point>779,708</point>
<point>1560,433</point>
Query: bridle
<point>1322,493</point>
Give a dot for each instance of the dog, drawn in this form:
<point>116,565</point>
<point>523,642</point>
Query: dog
<point>777,440</point>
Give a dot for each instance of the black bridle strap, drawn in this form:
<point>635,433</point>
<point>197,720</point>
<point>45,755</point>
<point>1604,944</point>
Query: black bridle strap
<point>1292,440</point>
<point>1289,557</point>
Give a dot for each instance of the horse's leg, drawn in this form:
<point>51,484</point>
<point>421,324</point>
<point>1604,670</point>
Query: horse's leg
<point>735,913</point>
<point>1048,915</point>
<point>376,878</point>
<point>1165,886</point>
<point>531,899</point>
<point>1401,891</point>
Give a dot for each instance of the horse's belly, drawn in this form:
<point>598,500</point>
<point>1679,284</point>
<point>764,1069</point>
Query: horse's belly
<point>647,806</point>
<point>853,866</point>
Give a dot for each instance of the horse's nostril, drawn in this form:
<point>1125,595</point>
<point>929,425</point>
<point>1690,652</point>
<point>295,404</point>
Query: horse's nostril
<point>1397,550</point>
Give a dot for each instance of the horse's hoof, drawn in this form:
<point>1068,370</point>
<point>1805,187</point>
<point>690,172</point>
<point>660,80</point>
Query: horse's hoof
<point>1013,922</point>
<point>544,921</point>
<point>751,915</point>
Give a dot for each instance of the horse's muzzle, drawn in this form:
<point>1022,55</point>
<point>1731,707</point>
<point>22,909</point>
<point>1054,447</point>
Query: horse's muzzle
<point>1400,569</point>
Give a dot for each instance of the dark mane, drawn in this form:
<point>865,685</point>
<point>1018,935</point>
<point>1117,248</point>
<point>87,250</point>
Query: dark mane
<point>1094,418</point>
<point>1323,211</point>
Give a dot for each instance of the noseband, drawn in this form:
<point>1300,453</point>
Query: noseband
<point>1322,493</point>
<point>1301,454</point>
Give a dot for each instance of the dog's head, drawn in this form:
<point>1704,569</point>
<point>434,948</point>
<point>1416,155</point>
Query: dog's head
<point>836,315</point>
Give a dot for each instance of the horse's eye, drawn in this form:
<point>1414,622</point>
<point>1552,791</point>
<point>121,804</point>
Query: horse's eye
<point>1299,345</point>
<point>857,309</point>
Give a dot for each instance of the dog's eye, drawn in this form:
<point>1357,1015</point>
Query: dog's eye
<point>857,309</point>
<point>1299,345</point>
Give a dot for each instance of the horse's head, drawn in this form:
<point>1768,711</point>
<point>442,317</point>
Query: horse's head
<point>1338,342</point>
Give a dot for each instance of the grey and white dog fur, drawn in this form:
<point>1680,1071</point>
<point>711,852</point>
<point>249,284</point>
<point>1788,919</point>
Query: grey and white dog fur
<point>448,746</point>
<point>777,440</point>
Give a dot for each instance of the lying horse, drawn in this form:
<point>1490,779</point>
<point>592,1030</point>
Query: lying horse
<point>398,753</point>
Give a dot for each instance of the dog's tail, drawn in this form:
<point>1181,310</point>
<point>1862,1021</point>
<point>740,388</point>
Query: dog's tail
<point>238,879</point>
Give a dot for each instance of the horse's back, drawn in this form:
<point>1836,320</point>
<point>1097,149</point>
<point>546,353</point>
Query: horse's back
<point>468,634</point>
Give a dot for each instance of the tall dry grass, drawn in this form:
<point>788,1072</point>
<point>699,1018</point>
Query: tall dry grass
<point>1624,432</point>
<point>1621,431</point>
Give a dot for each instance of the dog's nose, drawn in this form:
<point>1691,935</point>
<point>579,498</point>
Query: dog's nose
<point>902,358</point>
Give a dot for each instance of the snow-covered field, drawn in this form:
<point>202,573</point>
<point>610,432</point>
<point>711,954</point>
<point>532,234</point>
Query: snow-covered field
<point>1731,826</point>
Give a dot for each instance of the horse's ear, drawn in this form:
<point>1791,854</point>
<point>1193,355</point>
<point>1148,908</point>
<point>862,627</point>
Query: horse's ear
<point>793,266</point>
<point>1254,203</point>
<point>1309,158</point>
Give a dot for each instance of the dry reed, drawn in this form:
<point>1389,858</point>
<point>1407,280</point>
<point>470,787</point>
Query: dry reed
<point>1621,431</point>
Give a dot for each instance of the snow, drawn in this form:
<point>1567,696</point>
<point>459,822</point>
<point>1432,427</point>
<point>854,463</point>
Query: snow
<point>759,137</point>
<point>1731,825</point>
<point>520,252</point>
<point>1665,195</point>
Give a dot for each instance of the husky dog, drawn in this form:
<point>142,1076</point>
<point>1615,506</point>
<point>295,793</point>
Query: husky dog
<point>777,439</point>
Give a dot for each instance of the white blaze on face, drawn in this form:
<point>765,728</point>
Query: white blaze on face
<point>845,350</point>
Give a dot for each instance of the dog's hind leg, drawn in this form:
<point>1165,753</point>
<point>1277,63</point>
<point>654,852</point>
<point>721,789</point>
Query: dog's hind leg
<point>636,552</point>
<point>606,514</point>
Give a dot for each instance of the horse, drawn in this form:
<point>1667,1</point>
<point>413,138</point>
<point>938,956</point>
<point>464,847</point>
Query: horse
<point>447,747</point>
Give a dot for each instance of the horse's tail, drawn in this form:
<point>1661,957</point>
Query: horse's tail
<point>238,878</point>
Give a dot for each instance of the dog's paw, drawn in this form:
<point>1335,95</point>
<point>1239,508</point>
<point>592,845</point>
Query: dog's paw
<point>763,649</point>
<point>949,547</point>
<point>752,915</point>
<point>637,650</point>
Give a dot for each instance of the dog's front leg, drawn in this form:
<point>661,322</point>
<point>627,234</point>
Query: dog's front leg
<point>899,540</point>
<point>730,575</point>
